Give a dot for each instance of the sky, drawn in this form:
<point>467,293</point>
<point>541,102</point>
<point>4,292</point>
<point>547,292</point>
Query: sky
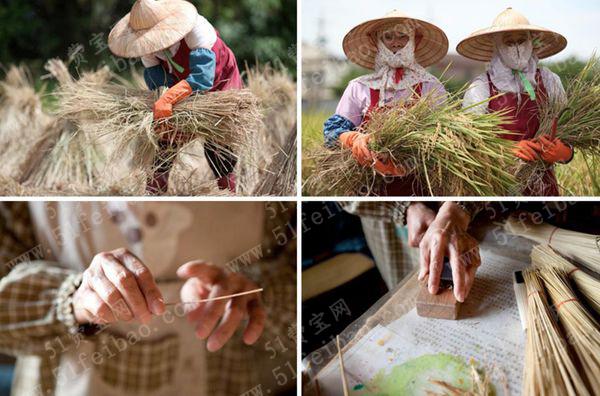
<point>578,21</point>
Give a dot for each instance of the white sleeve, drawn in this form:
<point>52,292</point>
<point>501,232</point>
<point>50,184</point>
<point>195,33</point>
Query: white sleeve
<point>150,61</point>
<point>478,91</point>
<point>554,86</point>
<point>203,35</point>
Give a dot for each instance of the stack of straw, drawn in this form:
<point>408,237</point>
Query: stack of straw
<point>583,248</point>
<point>581,328</point>
<point>549,368</point>
<point>576,122</point>
<point>448,150</point>
<point>588,286</point>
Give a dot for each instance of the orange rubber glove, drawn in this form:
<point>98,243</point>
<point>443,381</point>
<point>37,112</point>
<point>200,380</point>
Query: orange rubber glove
<point>163,108</point>
<point>358,143</point>
<point>527,150</point>
<point>554,150</point>
<point>389,169</point>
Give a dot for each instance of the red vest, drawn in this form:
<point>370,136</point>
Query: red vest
<point>227,75</point>
<point>395,186</point>
<point>525,123</point>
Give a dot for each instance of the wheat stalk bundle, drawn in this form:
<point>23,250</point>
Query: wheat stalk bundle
<point>576,122</point>
<point>583,248</point>
<point>447,149</point>
<point>549,369</point>
<point>122,113</point>
<point>581,328</point>
<point>589,287</point>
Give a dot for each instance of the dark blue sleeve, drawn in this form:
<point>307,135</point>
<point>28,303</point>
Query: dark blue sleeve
<point>334,127</point>
<point>203,63</point>
<point>157,76</point>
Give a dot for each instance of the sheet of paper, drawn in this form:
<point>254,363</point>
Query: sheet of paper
<point>489,331</point>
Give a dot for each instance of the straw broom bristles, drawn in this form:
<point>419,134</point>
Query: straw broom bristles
<point>578,246</point>
<point>447,149</point>
<point>588,286</point>
<point>581,328</point>
<point>549,369</point>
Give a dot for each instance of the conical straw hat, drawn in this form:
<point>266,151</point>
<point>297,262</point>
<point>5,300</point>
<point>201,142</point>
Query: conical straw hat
<point>480,45</point>
<point>360,44</point>
<point>151,26</point>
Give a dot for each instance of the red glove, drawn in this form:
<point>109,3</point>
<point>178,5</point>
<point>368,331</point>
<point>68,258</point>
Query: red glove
<point>554,150</point>
<point>388,168</point>
<point>163,108</point>
<point>528,150</point>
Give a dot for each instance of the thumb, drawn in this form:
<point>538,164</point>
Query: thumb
<point>204,271</point>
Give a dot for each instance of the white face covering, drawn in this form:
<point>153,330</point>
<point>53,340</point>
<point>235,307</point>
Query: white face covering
<point>515,56</point>
<point>507,60</point>
<point>386,63</point>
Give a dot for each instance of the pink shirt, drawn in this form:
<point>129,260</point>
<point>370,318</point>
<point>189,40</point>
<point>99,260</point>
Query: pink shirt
<point>357,99</point>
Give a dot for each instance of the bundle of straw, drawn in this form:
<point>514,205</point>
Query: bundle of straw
<point>123,114</point>
<point>576,122</point>
<point>549,369</point>
<point>589,287</point>
<point>581,328</point>
<point>583,248</point>
<point>448,150</point>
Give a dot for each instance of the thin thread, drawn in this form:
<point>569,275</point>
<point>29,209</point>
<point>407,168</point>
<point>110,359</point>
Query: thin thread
<point>566,301</point>
<point>551,235</point>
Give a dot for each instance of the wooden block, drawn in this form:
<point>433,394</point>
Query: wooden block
<point>441,306</point>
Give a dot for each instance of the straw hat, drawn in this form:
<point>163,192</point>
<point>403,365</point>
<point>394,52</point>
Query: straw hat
<point>480,45</point>
<point>360,44</point>
<point>151,26</point>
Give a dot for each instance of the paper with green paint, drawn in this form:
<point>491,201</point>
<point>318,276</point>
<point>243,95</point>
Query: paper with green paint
<point>402,357</point>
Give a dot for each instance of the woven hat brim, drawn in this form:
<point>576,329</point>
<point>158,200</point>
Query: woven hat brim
<point>125,42</point>
<point>480,45</point>
<point>360,44</point>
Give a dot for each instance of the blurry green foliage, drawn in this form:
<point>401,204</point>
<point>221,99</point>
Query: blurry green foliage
<point>32,31</point>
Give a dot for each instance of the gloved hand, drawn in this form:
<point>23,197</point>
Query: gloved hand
<point>163,108</point>
<point>554,150</point>
<point>528,150</point>
<point>358,143</point>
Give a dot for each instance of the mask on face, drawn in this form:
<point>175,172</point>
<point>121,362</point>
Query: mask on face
<point>515,56</point>
<point>404,57</point>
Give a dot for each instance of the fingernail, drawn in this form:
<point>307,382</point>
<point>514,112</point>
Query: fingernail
<point>158,306</point>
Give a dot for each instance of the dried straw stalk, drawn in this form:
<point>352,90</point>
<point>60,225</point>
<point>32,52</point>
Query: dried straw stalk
<point>549,369</point>
<point>588,286</point>
<point>446,148</point>
<point>581,328</point>
<point>577,246</point>
<point>577,121</point>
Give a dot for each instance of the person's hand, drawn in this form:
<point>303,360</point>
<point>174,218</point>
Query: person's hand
<point>528,150</point>
<point>218,320</point>
<point>418,219</point>
<point>447,236</point>
<point>163,108</point>
<point>117,286</point>
<point>358,143</point>
<point>554,150</point>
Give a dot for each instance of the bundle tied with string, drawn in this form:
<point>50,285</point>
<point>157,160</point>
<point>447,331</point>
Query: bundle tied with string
<point>542,256</point>
<point>549,368</point>
<point>576,122</point>
<point>582,330</point>
<point>580,247</point>
<point>445,148</point>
